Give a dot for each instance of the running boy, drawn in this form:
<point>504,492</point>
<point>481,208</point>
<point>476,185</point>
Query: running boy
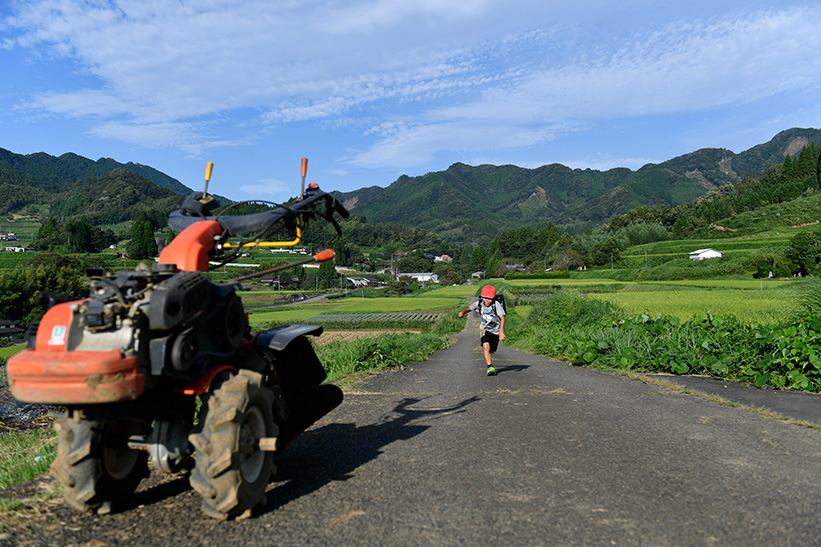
<point>492,324</point>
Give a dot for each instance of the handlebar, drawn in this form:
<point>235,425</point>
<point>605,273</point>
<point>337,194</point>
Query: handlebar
<point>192,211</point>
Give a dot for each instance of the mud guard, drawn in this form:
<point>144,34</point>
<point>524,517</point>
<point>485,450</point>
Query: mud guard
<point>298,368</point>
<point>300,374</point>
<point>277,339</point>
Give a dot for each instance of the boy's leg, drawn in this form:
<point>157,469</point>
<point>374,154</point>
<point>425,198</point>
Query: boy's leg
<point>489,344</point>
<point>486,352</point>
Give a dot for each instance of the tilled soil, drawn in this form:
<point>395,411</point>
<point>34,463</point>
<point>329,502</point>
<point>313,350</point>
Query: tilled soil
<point>349,335</point>
<point>15,415</point>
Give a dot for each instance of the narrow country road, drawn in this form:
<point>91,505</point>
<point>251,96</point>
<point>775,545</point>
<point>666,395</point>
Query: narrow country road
<point>542,454</point>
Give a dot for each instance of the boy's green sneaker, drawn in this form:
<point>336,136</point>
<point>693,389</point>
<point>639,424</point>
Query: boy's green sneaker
<point>491,371</point>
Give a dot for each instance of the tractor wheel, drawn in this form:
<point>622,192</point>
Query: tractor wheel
<point>97,469</point>
<point>230,472</point>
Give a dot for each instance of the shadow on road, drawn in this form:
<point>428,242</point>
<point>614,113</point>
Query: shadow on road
<point>333,452</point>
<point>510,368</point>
<point>318,457</point>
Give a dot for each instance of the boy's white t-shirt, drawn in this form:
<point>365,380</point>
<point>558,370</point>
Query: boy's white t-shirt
<point>489,315</point>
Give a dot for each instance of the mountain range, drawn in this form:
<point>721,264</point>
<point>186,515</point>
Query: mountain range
<point>476,201</point>
<point>461,203</point>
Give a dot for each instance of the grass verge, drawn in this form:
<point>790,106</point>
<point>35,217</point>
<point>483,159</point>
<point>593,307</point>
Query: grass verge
<point>25,455</point>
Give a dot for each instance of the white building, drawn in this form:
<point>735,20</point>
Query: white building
<point>422,277</point>
<point>19,249</point>
<point>701,254</point>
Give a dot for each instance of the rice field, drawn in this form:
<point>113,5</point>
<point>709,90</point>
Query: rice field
<point>455,290</point>
<point>353,305</point>
<point>399,317</point>
<point>752,307</point>
<point>561,282</point>
<point>753,301</point>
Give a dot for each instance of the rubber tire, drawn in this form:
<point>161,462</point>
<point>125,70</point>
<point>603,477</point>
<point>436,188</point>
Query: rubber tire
<point>230,472</point>
<point>98,471</point>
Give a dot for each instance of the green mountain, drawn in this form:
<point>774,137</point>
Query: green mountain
<point>70,186</point>
<point>111,198</point>
<point>105,192</point>
<point>463,203</point>
<point>48,172</point>
<point>468,202</point>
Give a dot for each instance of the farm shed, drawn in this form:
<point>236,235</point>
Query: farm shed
<point>19,249</point>
<point>421,277</point>
<point>8,328</point>
<point>701,254</point>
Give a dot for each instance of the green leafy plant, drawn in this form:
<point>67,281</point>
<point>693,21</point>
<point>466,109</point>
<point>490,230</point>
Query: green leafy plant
<point>571,326</point>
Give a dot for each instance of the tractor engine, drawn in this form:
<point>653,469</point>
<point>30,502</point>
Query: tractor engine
<point>176,323</point>
<point>135,329</point>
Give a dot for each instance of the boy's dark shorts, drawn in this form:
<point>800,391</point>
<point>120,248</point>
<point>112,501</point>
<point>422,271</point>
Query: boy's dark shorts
<point>490,338</point>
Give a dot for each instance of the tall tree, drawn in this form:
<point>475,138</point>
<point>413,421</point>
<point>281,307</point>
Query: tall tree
<point>478,260</point>
<point>80,238</point>
<point>142,243</point>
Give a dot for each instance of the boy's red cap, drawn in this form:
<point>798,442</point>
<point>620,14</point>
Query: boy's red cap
<point>488,291</point>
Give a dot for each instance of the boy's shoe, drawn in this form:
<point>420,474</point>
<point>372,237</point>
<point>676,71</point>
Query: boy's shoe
<point>491,371</point>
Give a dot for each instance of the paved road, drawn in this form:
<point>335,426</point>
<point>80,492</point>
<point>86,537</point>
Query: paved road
<point>542,454</point>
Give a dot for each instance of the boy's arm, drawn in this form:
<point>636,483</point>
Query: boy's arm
<point>502,328</point>
<point>464,311</point>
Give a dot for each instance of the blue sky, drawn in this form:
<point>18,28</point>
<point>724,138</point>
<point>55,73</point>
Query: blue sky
<point>371,90</point>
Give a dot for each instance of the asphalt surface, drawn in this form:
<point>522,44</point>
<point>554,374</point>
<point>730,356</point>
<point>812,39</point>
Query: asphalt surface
<point>542,454</point>
<point>797,405</point>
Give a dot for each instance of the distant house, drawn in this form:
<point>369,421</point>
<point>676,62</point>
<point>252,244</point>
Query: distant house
<point>359,282</point>
<point>19,249</point>
<point>422,277</point>
<point>8,328</point>
<point>701,254</point>
<point>289,250</point>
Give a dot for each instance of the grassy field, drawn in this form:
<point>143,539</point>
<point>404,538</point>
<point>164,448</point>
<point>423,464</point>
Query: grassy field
<point>456,290</point>
<point>353,304</point>
<point>561,282</point>
<point>752,307</point>
<point>7,352</point>
<point>753,301</point>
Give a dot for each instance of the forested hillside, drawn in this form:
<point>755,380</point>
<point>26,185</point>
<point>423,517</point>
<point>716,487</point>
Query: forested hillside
<point>464,202</point>
<point>785,198</point>
<point>48,172</point>
<point>70,186</point>
<point>112,198</point>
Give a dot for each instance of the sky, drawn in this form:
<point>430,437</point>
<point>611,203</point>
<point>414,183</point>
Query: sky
<point>369,90</point>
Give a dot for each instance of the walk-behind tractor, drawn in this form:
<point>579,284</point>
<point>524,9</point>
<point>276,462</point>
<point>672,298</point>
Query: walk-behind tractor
<point>160,362</point>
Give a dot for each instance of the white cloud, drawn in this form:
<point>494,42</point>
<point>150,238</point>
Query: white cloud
<point>607,163</point>
<point>188,137</point>
<point>683,67</point>
<point>366,17</point>
<point>269,188</point>
<point>419,77</point>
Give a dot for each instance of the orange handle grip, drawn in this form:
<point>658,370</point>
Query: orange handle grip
<point>208,167</point>
<point>322,256</point>
<point>304,167</point>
